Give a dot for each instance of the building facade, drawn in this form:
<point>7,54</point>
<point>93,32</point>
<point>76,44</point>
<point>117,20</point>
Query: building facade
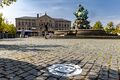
<point>36,25</point>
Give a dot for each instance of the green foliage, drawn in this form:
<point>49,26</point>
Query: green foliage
<point>110,24</point>
<point>115,31</point>
<point>1,23</point>
<point>118,28</point>
<point>6,2</point>
<point>6,27</point>
<point>12,29</point>
<point>98,26</point>
<point>9,28</point>
<point>109,28</point>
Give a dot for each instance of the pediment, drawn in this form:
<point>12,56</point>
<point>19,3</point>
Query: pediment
<point>46,17</point>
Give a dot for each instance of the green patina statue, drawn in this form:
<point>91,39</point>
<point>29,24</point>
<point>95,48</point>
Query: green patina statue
<point>81,21</point>
<point>81,13</point>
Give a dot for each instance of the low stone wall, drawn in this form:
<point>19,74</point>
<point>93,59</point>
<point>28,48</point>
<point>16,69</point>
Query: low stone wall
<point>85,33</point>
<point>5,35</point>
<point>61,32</point>
<point>91,32</point>
<point>86,37</point>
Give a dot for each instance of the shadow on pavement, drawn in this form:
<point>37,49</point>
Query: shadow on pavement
<point>17,70</point>
<point>105,74</point>
<point>20,70</point>
<point>25,48</point>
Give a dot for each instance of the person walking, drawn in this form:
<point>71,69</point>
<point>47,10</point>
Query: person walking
<point>46,31</point>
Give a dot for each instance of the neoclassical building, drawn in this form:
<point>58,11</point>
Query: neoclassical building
<point>36,25</point>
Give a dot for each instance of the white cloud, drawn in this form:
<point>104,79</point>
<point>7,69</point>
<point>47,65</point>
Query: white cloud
<point>56,8</point>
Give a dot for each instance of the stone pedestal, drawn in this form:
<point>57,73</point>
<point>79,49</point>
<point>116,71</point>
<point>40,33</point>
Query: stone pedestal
<point>81,24</point>
<point>89,32</point>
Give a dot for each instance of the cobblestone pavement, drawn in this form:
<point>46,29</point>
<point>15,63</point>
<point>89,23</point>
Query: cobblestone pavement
<point>29,58</point>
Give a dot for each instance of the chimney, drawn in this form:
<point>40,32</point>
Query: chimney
<point>37,15</point>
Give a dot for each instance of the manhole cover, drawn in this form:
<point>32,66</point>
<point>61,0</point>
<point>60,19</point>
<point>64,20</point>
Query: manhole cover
<point>65,70</point>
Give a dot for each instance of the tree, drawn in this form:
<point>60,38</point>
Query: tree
<point>12,29</point>
<point>98,26</point>
<point>1,22</point>
<point>109,28</point>
<point>3,26</point>
<point>6,2</point>
<point>9,28</point>
<point>118,29</point>
<point>6,27</point>
<point>110,24</point>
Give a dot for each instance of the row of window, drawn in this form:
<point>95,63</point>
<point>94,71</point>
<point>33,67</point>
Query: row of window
<point>45,21</point>
<point>42,28</point>
<point>25,20</point>
<point>62,25</point>
<point>61,29</point>
<point>43,24</point>
<point>26,24</point>
<point>24,28</point>
<point>62,21</point>
<point>40,24</point>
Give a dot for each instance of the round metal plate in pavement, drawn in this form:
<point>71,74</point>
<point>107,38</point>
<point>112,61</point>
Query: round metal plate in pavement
<point>65,70</point>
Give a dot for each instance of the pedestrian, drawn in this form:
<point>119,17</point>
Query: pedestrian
<point>46,31</point>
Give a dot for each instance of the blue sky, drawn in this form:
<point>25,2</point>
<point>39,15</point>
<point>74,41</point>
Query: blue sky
<point>103,10</point>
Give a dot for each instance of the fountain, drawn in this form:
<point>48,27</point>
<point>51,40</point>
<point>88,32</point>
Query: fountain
<point>81,24</point>
<point>81,28</point>
<point>81,21</point>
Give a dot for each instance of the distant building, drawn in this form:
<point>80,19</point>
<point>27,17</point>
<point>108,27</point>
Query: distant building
<point>118,26</point>
<point>36,25</point>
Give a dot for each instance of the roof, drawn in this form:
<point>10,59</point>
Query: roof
<point>45,15</point>
<point>27,17</point>
<point>56,19</point>
<point>60,19</point>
